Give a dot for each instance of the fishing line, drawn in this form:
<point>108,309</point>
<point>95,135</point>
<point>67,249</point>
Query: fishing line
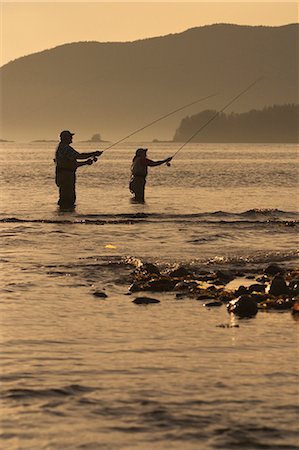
<point>217,114</point>
<point>157,120</point>
<point>153,122</point>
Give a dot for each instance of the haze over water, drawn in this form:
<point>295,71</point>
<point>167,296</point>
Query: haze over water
<point>85,372</point>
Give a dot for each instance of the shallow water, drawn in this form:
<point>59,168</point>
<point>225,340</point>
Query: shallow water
<point>84,372</point>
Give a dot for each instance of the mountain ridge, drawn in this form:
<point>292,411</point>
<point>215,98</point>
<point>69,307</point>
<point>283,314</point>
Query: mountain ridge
<point>116,87</point>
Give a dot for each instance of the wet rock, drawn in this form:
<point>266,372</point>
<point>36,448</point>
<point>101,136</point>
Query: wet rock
<point>273,269</point>
<point>219,282</point>
<point>242,290</point>
<point>224,275</point>
<point>100,294</point>
<point>243,306</point>
<point>179,272</point>
<point>294,287</point>
<point>295,308</point>
<point>276,304</point>
<point>257,288</point>
<point>205,297</point>
<point>278,286</point>
<point>226,297</point>
<point>160,285</point>
<point>212,304</point>
<point>135,287</point>
<point>263,279</point>
<point>259,297</point>
<point>150,268</point>
<point>184,285</point>
<point>145,300</point>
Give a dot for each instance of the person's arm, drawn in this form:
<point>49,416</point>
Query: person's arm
<point>88,162</point>
<point>88,155</point>
<point>151,163</point>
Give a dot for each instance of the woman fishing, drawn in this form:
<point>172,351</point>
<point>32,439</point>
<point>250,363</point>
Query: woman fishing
<point>139,167</point>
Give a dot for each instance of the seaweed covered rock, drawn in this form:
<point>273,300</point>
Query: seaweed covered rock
<point>243,306</point>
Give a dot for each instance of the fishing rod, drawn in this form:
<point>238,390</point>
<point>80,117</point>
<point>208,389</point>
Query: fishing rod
<point>94,159</point>
<point>215,115</point>
<point>158,120</point>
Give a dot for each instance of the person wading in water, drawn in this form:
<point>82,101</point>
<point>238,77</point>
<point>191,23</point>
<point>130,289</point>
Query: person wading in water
<point>139,167</point>
<point>66,165</point>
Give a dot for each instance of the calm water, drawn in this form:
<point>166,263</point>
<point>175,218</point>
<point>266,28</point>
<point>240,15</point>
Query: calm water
<point>79,372</point>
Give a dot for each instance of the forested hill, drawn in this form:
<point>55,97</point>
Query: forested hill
<point>114,88</point>
<point>272,124</point>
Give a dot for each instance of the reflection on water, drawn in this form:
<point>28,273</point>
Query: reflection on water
<point>84,372</point>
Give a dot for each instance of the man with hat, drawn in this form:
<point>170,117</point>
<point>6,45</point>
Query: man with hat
<point>139,167</point>
<point>66,165</point>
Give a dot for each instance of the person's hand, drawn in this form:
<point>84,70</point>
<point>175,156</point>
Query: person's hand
<point>89,162</point>
<point>98,153</point>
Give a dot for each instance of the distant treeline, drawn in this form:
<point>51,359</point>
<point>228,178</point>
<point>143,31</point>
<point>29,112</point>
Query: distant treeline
<point>278,123</point>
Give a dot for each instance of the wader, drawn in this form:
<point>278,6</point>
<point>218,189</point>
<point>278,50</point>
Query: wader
<point>137,186</point>
<point>66,181</point>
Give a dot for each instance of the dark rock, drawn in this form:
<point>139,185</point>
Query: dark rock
<point>135,287</point>
<point>250,277</point>
<point>184,285</point>
<point>212,289</point>
<point>100,294</point>
<point>294,286</point>
<point>145,300</point>
<point>179,272</point>
<point>259,297</point>
<point>263,279</point>
<point>219,282</point>
<point>278,286</point>
<point>273,269</point>
<point>282,304</point>
<point>227,325</point>
<point>225,276</point>
<point>244,306</point>
<point>225,297</point>
<point>205,297</point>
<point>257,288</point>
<point>295,308</point>
<point>276,304</point>
<point>240,274</point>
<point>242,290</point>
<point>150,268</point>
<point>160,285</point>
<point>215,303</point>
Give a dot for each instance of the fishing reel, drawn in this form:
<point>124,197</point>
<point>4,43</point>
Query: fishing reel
<point>168,164</point>
<point>95,159</point>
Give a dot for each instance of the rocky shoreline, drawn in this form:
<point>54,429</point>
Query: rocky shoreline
<point>273,288</point>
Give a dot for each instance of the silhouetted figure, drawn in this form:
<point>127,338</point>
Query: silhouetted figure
<point>66,165</point>
<point>139,167</point>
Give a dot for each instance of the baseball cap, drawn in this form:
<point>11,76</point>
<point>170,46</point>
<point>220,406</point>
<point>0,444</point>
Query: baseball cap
<point>65,133</point>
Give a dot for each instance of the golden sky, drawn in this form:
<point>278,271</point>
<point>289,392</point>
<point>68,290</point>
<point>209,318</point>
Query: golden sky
<point>28,27</point>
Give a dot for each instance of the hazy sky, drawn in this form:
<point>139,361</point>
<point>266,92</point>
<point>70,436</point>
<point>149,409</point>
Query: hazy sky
<point>28,27</point>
